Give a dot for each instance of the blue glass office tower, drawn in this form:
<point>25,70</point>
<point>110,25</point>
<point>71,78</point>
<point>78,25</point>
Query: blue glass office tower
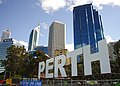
<point>88,28</point>
<point>5,45</point>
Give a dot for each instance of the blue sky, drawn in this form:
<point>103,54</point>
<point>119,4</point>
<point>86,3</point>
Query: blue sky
<point>21,16</point>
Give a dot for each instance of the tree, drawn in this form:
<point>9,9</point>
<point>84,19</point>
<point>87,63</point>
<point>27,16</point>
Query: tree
<point>117,51</point>
<point>15,58</point>
<point>19,62</point>
<point>32,62</point>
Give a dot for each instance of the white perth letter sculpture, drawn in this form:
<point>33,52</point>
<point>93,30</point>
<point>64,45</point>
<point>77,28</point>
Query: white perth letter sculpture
<point>101,56</point>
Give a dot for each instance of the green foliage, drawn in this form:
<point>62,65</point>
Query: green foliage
<point>15,58</point>
<point>117,84</point>
<point>32,63</point>
<point>117,47</point>
<point>21,63</point>
<point>1,75</point>
<point>117,51</point>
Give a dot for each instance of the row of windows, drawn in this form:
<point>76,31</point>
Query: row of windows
<point>87,27</point>
<point>3,48</point>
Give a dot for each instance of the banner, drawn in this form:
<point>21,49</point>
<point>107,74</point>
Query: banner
<point>31,83</point>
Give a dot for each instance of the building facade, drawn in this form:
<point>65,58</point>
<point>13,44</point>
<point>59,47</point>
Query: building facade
<point>5,45</point>
<point>59,52</point>
<point>56,37</point>
<point>2,68</point>
<point>5,35</point>
<point>42,48</point>
<point>88,29</point>
<point>34,38</point>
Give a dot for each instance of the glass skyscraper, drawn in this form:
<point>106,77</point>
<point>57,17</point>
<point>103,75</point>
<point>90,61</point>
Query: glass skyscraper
<point>88,29</point>
<point>34,38</point>
<point>5,45</point>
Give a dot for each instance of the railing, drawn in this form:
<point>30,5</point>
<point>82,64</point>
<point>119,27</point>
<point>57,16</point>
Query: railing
<point>70,82</point>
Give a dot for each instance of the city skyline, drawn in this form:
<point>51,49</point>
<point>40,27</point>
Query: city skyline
<point>20,17</point>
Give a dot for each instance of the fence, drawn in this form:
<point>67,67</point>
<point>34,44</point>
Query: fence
<point>70,82</point>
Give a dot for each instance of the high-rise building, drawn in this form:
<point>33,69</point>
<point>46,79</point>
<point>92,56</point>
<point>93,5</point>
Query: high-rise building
<point>56,37</point>
<point>5,35</point>
<point>2,68</point>
<point>34,38</point>
<point>42,48</point>
<point>88,29</point>
<point>6,44</point>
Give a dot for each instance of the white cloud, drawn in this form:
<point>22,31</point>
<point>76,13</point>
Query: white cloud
<point>73,3</point>
<point>70,47</point>
<point>22,43</point>
<point>109,39</point>
<point>54,5</point>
